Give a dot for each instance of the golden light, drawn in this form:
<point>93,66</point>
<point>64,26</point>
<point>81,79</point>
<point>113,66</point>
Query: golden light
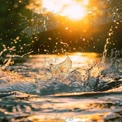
<point>85,2</point>
<point>73,15</point>
<point>73,9</point>
<point>74,12</point>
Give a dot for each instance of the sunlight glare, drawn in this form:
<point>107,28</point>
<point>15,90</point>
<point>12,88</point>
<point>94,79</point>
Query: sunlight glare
<point>85,2</point>
<point>74,12</point>
<point>72,9</point>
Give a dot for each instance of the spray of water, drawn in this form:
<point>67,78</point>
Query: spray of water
<point>61,77</point>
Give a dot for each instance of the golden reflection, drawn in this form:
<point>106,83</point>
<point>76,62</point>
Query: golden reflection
<point>84,59</point>
<point>70,117</point>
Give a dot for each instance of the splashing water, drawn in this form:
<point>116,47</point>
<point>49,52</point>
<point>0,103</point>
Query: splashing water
<point>56,78</point>
<point>20,86</point>
<point>23,86</point>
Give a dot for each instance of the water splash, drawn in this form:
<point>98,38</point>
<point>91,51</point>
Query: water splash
<point>61,71</point>
<point>58,78</point>
<point>7,59</point>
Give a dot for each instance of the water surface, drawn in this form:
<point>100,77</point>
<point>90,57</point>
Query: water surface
<point>61,88</point>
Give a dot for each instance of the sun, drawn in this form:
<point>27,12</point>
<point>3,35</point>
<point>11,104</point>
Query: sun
<point>75,12</point>
<point>72,9</point>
